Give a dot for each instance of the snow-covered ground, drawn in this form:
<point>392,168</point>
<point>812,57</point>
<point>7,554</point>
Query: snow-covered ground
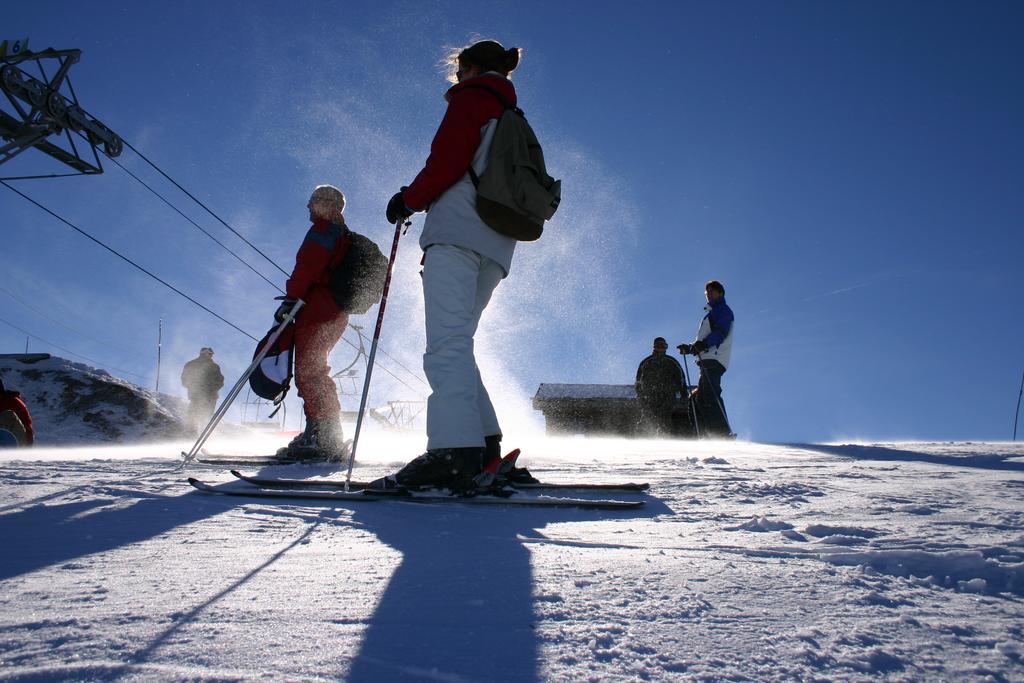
<point>74,403</point>
<point>901,561</point>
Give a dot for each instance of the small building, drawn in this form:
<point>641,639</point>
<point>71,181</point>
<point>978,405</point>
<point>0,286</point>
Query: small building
<point>599,409</point>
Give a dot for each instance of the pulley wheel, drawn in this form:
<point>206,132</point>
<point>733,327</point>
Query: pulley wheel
<point>56,105</point>
<point>36,93</point>
<point>11,77</point>
<point>113,147</point>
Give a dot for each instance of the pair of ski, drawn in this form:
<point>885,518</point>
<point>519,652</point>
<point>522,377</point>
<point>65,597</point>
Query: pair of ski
<point>334,490</point>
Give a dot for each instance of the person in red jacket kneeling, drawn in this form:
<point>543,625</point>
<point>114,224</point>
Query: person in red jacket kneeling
<point>14,417</point>
<point>318,327</point>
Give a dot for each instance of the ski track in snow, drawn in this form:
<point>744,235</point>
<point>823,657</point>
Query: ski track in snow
<point>900,561</point>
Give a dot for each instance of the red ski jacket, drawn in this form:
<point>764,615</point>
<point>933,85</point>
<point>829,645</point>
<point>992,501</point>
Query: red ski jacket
<point>458,137</point>
<point>11,400</point>
<point>323,248</point>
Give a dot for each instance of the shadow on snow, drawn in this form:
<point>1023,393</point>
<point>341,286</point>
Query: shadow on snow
<point>992,461</point>
<point>41,536</point>
<point>460,604</point>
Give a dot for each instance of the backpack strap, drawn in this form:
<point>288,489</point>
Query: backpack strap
<point>504,103</point>
<point>344,236</point>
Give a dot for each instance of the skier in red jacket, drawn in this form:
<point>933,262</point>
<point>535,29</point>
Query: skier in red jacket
<point>14,416</point>
<point>464,260</point>
<point>318,327</point>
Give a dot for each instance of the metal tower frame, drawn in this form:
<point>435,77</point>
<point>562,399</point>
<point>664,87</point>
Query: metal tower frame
<point>41,116</point>
<point>346,378</point>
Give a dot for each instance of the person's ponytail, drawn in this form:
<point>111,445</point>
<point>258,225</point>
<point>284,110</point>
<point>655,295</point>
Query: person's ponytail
<point>486,55</point>
<point>511,59</point>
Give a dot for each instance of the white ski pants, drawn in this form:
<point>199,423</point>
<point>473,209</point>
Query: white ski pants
<point>457,285</point>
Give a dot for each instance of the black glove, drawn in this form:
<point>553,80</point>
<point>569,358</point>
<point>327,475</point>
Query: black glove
<point>698,347</point>
<point>683,349</point>
<point>397,210</point>
<point>284,309</point>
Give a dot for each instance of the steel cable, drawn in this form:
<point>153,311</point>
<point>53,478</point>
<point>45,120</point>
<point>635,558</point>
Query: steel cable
<point>128,260</point>
<point>208,209</point>
<point>198,227</point>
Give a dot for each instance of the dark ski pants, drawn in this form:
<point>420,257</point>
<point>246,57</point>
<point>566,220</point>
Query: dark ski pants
<point>710,407</point>
<point>200,410</point>
<point>656,415</point>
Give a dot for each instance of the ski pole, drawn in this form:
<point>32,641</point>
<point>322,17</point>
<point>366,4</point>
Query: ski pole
<point>235,390</point>
<point>689,399</point>
<point>373,348</point>
<point>718,400</point>
<point>1017,414</point>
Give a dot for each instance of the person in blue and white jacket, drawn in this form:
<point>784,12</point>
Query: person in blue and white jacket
<point>713,347</point>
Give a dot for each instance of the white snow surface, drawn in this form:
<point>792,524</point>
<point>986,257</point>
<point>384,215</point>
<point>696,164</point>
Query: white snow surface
<point>884,561</point>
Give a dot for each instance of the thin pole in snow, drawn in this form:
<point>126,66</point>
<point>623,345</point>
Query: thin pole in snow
<point>689,399</point>
<point>1017,414</point>
<point>373,347</point>
<point>159,344</point>
<point>26,344</point>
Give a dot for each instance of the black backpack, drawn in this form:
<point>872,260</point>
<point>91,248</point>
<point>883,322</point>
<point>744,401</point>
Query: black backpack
<point>357,283</point>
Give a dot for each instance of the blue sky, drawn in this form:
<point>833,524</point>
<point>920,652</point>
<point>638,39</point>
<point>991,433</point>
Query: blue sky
<point>850,171</point>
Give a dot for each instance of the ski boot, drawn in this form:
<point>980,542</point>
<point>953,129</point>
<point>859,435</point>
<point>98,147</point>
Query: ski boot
<point>322,440</point>
<point>298,447</point>
<point>329,440</point>
<point>455,469</point>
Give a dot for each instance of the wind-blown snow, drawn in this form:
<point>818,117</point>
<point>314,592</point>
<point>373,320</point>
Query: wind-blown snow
<point>749,562</point>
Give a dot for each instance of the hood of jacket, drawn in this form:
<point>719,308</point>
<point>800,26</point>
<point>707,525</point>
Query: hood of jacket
<point>491,79</point>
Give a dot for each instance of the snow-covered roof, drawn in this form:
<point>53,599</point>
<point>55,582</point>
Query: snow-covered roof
<point>551,391</point>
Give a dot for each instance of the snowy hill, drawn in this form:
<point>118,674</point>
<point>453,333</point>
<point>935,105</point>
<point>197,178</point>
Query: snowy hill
<point>764,562</point>
<point>73,403</point>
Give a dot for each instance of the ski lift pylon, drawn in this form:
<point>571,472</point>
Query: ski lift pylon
<point>40,115</point>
